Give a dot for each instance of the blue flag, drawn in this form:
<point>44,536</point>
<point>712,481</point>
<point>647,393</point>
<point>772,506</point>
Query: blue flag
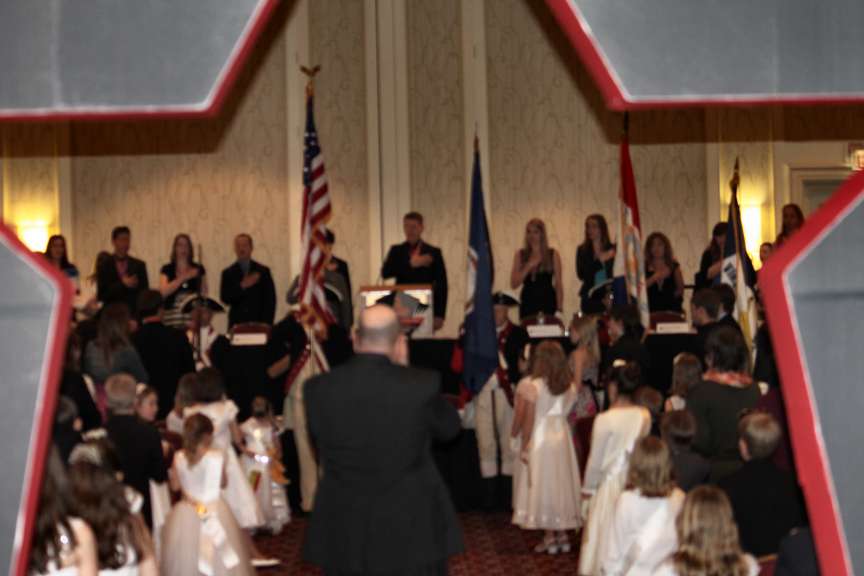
<point>480,340</point>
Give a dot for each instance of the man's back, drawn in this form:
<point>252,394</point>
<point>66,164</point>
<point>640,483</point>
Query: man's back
<point>381,505</point>
<point>167,355</point>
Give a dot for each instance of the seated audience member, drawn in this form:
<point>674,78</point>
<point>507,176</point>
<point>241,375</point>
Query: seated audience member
<point>67,428</point>
<point>146,403</point>
<point>726,314</point>
<point>138,444</point>
<point>797,554</point>
<point>63,544</point>
<point>662,275</point>
<point>686,373</point>
<point>764,498</point>
<point>704,312</point>
<point>614,434</point>
<point>677,428</point>
<point>165,351</point>
<point>75,388</point>
<point>625,334</point>
<point>537,269</point>
<point>642,533</point>
<point>123,543</point>
<point>725,392</point>
<point>112,351</point>
<point>180,279</point>
<point>707,539</point>
<point>650,399</point>
<point>711,264</point>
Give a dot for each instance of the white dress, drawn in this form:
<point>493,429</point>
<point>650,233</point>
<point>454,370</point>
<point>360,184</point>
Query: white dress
<point>642,534</point>
<point>613,436</point>
<point>547,491</point>
<point>259,439</point>
<point>238,494</point>
<point>668,567</point>
<point>201,535</point>
<point>66,551</point>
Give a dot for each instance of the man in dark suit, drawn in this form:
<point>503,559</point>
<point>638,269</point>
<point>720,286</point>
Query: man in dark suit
<point>247,287</point>
<point>381,506</point>
<point>165,352</point>
<point>725,316</point>
<point>138,444</point>
<point>122,277</point>
<point>416,262</point>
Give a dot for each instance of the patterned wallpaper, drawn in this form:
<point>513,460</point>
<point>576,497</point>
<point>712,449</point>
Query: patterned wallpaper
<point>437,138</point>
<point>337,43</point>
<point>554,148</point>
<point>209,178</point>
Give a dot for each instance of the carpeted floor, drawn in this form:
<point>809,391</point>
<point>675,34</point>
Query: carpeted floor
<point>493,547</point>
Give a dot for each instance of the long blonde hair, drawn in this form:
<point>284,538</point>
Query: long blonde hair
<point>585,330</point>
<point>545,264</point>
<point>708,537</point>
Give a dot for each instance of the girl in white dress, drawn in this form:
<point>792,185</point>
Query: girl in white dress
<point>546,477</point>
<point>201,536</point>
<point>613,436</point>
<point>210,400</point>
<point>261,461</point>
<point>643,535</point>
<point>707,539</point>
<point>183,398</point>
<point>63,545</point>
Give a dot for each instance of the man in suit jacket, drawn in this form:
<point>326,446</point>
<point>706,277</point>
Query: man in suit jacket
<point>381,506</point>
<point>247,287</point>
<point>138,444</point>
<point>122,277</point>
<point>416,262</point>
<point>165,352</point>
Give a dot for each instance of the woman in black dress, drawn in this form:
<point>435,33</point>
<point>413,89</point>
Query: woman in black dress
<point>712,258</point>
<point>594,261</point>
<point>537,269</point>
<point>179,279</point>
<point>662,275</point>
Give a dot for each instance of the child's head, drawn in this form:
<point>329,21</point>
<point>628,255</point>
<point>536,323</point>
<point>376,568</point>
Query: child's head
<point>261,407</point>
<point>549,363</point>
<point>147,403</point>
<point>651,471</point>
<point>209,388</point>
<point>678,428</point>
<point>759,435</point>
<point>707,534</point>
<point>197,436</point>
<point>185,395</point>
<point>686,373</point>
<point>650,399</point>
<point>624,379</point>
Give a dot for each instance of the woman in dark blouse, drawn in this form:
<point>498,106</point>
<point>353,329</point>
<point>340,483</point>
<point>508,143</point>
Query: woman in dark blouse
<point>537,269</point>
<point>594,260</point>
<point>663,275</point>
<point>712,258</point>
<point>725,394</point>
<point>179,279</point>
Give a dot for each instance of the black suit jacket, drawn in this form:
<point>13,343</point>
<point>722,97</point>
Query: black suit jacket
<point>381,506</point>
<point>139,450</point>
<point>398,266</point>
<point>254,304</point>
<point>167,355</point>
<point>110,288</point>
<point>342,269</point>
<point>766,503</point>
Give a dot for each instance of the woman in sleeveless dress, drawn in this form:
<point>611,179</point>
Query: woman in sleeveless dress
<point>614,434</point>
<point>595,258</point>
<point>201,535</point>
<point>546,478</point>
<point>537,269</point>
<point>210,400</point>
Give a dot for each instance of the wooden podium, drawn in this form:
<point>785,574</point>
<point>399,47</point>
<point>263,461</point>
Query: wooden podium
<point>412,302</point>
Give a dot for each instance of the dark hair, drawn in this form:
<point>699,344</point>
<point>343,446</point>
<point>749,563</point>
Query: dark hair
<point>99,499</point>
<point>119,230</point>
<point>725,350</point>
<point>183,236</point>
<point>261,407</point>
<point>629,317</point>
<point>113,331</point>
<point>196,428</point>
<point>244,235</point>
<point>727,297</point>
<point>329,236</point>
<point>149,303</point>
<point>720,229</point>
<point>210,387</point>
<point>628,377</point>
<point>187,388</point>
<point>686,373</point>
<point>798,213</point>
<point>101,259</point>
<point>604,233</point>
<point>668,255</point>
<point>678,428</point>
<point>71,361</point>
<point>64,259</point>
<point>549,363</point>
<point>52,520</point>
<point>66,412</point>
<point>709,300</point>
<point>650,399</point>
<point>416,216</point>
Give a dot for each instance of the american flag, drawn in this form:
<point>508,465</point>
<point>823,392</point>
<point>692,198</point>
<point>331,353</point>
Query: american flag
<point>314,312</point>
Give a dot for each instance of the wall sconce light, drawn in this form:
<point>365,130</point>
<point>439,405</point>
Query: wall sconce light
<point>751,220</point>
<point>34,234</point>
